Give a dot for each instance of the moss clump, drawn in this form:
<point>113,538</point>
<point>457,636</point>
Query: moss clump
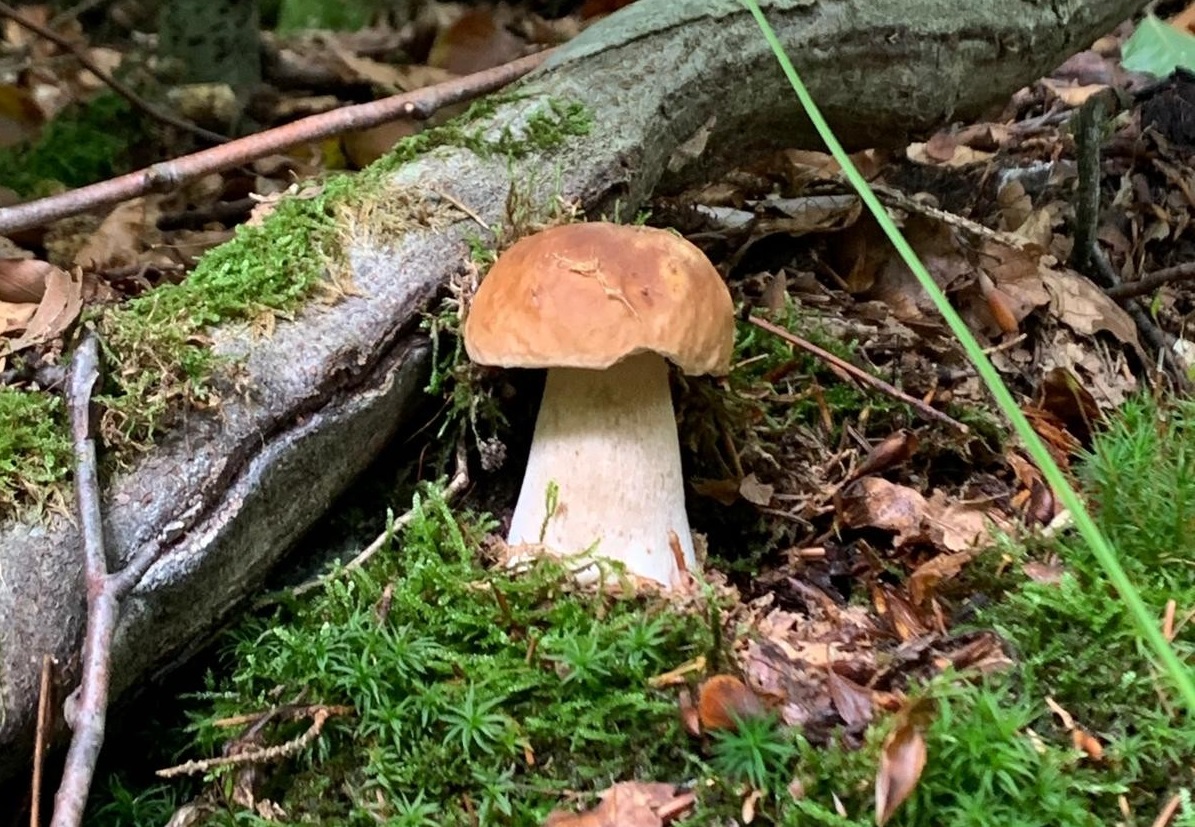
<point>478,696</point>
<point>86,143</point>
<point>35,449</point>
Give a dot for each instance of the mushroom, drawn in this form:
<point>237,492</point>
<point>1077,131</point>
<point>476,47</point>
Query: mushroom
<point>602,306</point>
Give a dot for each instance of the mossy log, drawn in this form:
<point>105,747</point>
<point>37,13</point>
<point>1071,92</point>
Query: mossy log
<point>224,496</point>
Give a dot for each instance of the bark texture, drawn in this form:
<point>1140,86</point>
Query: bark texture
<point>226,496</point>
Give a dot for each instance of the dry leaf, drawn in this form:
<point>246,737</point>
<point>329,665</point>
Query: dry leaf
<point>1084,307</point>
<point>872,502</point>
<point>23,280</point>
<point>14,318</point>
<point>58,309</point>
<point>475,42</point>
<point>852,702</point>
<point>901,761</point>
<point>628,804</point>
<point>890,452</point>
<point>126,231</point>
<point>723,700</point>
<point>747,812</point>
<point>929,574</point>
<point>756,492</point>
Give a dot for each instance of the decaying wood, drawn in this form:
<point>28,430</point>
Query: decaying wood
<point>221,500</point>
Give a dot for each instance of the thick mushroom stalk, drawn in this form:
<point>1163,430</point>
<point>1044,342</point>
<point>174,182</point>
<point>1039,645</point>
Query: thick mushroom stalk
<point>604,473</point>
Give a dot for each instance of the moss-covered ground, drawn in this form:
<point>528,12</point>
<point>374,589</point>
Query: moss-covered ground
<point>482,697</point>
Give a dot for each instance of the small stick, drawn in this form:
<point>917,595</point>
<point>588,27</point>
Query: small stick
<point>107,79</point>
<point>42,738</point>
<point>102,604</point>
<point>261,755</point>
<point>1152,281</point>
<point>105,591</point>
<point>420,105</point>
<point>1167,813</point>
<point>859,375</point>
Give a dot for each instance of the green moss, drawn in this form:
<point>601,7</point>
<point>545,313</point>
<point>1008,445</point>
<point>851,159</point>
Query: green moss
<point>35,449</point>
<point>299,15</point>
<point>457,673</point>
<point>156,346</point>
<point>478,693</point>
<point>85,143</point>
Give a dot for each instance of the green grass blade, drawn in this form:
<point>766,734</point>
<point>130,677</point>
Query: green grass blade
<point>1147,624</point>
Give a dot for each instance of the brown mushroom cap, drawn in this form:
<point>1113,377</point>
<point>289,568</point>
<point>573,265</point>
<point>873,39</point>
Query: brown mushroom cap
<point>589,295</point>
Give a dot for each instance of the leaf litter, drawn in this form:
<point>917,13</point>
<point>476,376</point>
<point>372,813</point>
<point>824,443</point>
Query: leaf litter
<point>871,514</point>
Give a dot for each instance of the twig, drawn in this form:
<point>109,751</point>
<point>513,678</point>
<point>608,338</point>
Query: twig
<point>42,738</point>
<point>1087,126</point>
<point>114,84</point>
<point>263,755</point>
<point>463,208</point>
<point>1152,281</point>
<point>105,591</point>
<point>1087,256</point>
<point>859,375</point>
<point>456,485</point>
<point>420,105</point>
<point>1168,811</point>
<point>102,604</point>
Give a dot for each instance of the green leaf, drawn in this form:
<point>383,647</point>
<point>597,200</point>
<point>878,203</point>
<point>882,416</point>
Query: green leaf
<point>1158,48</point>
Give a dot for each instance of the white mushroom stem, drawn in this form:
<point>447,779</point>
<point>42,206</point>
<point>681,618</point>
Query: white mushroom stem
<point>605,442</point>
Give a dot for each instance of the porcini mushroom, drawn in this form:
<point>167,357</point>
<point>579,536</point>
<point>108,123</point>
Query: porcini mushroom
<point>602,306</point>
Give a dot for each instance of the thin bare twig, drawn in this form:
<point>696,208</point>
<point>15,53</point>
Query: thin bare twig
<point>859,375</point>
<point>102,604</point>
<point>41,738</point>
<point>105,591</point>
<point>1088,257</point>
<point>262,755</point>
<point>1166,816</point>
<point>1150,282</point>
<point>109,81</point>
<point>420,105</point>
<point>458,483</point>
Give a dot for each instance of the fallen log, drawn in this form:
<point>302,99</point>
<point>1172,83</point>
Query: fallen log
<point>223,497</point>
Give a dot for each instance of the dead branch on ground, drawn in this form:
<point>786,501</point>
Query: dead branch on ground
<point>859,375</point>
<point>419,105</point>
<point>265,754</point>
<point>104,594</point>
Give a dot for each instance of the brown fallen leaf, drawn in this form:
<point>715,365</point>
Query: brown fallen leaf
<point>902,759</point>
<point>906,622</point>
<point>724,700</point>
<point>475,42</point>
<point>756,492</point>
<point>929,574</point>
<point>57,310</point>
<point>890,452</point>
<point>628,804</point>
<point>851,701</point>
<point>1085,308</point>
<point>129,229</point>
<point>14,318</point>
<point>23,280</point>
<point>872,502</point>
<point>1063,395</point>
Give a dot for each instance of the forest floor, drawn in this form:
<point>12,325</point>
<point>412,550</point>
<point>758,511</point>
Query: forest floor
<point>894,623</point>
